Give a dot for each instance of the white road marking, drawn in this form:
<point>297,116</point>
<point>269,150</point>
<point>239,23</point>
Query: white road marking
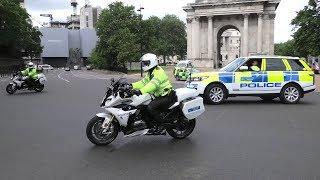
<point>59,76</point>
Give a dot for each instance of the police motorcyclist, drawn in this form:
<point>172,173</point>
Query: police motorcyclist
<point>156,82</point>
<point>30,74</point>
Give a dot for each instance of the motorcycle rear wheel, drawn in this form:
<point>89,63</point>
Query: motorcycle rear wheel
<point>184,130</point>
<point>10,89</point>
<point>96,135</point>
<point>39,88</point>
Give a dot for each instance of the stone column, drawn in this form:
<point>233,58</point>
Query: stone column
<point>210,38</point>
<point>266,33</point>
<point>195,38</point>
<point>271,31</point>
<point>245,35</point>
<point>189,38</point>
<point>215,45</point>
<point>260,26</point>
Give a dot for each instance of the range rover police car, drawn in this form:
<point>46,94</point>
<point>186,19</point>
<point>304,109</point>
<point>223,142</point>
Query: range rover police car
<point>267,77</point>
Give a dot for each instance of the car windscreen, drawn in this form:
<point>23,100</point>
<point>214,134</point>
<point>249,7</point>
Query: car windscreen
<point>231,67</point>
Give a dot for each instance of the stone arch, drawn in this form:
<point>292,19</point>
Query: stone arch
<point>254,19</point>
<point>220,30</point>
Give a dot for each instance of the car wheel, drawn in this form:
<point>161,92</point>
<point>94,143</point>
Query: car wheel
<point>290,94</point>
<point>215,94</point>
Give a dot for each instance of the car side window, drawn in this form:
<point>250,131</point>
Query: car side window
<point>253,62</point>
<point>296,65</point>
<point>275,64</point>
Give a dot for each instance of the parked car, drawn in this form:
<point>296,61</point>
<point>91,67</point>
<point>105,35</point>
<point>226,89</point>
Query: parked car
<point>76,67</point>
<point>89,67</point>
<point>45,66</point>
<point>67,69</point>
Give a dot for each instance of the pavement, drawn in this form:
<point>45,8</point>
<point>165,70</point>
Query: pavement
<point>42,136</point>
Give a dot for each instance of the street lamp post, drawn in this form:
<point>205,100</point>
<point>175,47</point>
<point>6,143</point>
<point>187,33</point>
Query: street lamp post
<point>141,37</point>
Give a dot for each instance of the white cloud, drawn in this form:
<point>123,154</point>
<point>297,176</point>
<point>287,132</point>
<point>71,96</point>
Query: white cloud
<point>283,31</point>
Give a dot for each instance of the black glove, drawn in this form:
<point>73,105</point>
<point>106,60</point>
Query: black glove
<point>136,92</point>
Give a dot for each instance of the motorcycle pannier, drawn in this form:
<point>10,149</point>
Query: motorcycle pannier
<point>193,108</point>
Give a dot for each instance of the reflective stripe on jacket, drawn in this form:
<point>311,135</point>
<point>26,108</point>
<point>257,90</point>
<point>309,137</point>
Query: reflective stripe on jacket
<point>157,84</point>
<point>30,72</point>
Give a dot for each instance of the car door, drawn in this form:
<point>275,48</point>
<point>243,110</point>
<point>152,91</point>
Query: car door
<point>249,81</point>
<point>277,71</point>
<point>300,73</point>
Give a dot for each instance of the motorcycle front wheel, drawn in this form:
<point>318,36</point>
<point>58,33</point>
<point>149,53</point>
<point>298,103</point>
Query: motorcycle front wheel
<point>183,130</point>
<point>99,135</point>
<point>11,89</point>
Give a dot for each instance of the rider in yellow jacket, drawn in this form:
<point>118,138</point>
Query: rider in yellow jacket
<point>156,83</point>
<point>30,74</point>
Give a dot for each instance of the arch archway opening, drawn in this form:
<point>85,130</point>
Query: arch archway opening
<point>229,45</point>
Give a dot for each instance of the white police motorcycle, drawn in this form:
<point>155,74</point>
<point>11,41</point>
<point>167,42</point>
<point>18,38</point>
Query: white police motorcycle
<point>126,112</point>
<point>19,83</point>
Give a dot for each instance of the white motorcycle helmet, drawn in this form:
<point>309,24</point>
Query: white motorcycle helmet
<point>30,65</point>
<point>149,61</point>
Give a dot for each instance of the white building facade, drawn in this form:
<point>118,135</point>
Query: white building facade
<point>207,20</point>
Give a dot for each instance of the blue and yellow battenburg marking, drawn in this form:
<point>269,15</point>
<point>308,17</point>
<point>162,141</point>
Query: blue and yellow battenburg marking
<point>261,79</point>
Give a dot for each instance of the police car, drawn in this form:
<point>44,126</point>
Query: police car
<point>288,78</point>
<point>182,70</point>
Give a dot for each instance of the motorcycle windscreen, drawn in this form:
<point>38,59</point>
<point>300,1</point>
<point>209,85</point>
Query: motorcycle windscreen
<point>193,108</point>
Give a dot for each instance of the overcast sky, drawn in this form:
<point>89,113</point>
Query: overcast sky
<point>61,9</point>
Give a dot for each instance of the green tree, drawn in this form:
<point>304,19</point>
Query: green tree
<point>285,49</point>
<point>165,37</point>
<point>117,30</point>
<point>16,31</point>
<point>307,34</point>
<point>175,36</point>
<point>151,34</point>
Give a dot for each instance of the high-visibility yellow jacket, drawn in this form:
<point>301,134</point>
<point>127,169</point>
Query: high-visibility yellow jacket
<point>156,83</point>
<point>255,68</point>
<point>30,72</point>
